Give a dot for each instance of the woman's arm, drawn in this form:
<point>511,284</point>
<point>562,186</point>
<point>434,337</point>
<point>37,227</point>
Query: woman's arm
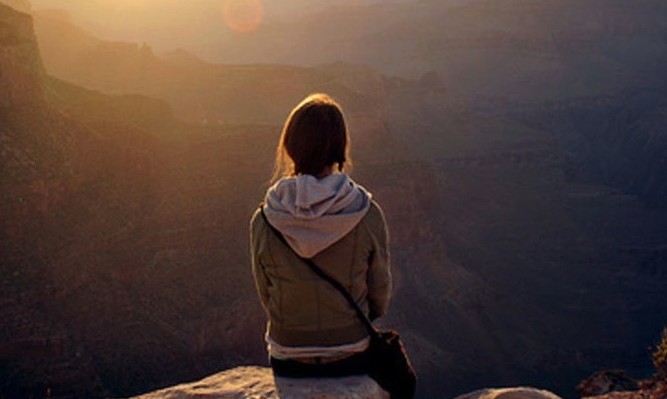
<point>379,279</point>
<point>258,237</point>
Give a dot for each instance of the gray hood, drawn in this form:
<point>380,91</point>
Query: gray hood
<point>314,213</point>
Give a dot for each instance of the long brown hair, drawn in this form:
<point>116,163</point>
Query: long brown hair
<point>313,138</point>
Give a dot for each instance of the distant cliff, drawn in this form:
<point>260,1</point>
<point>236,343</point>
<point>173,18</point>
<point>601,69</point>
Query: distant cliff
<point>619,140</point>
<point>20,61</point>
<point>38,171</point>
<point>82,176</point>
<point>19,5</point>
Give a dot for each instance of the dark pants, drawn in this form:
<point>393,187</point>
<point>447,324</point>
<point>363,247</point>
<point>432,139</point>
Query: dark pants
<point>354,365</point>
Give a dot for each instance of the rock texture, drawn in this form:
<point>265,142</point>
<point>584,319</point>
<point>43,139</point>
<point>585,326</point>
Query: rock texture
<point>657,391</point>
<point>259,383</point>
<point>20,62</point>
<point>606,381</point>
<point>19,5</point>
<point>510,393</point>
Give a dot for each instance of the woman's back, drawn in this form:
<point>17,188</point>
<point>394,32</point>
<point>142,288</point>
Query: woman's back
<point>316,211</point>
<point>303,309</point>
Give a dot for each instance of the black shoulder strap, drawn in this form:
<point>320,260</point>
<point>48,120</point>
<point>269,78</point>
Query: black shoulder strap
<point>338,286</point>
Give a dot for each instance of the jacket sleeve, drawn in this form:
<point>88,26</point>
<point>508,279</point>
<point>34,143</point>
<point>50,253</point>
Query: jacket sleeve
<point>379,279</point>
<point>257,240</point>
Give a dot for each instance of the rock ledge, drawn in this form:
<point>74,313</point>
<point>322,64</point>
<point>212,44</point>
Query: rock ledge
<point>510,393</point>
<point>259,383</point>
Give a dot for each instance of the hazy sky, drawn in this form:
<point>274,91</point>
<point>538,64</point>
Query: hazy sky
<point>117,13</point>
<point>193,25</point>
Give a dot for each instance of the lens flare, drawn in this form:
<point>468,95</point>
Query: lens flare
<point>243,15</point>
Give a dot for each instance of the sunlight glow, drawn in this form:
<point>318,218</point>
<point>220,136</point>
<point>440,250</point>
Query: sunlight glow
<point>243,15</point>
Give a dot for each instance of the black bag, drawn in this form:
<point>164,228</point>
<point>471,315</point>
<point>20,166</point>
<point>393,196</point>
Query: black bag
<point>390,366</point>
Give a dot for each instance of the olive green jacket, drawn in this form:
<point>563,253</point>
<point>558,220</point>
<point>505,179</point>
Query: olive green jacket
<point>305,310</point>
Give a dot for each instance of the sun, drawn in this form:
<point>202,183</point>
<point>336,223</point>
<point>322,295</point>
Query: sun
<point>243,15</point>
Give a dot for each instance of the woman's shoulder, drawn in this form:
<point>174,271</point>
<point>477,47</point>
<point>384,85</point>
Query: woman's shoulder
<point>375,210</point>
<point>374,218</point>
<point>257,220</point>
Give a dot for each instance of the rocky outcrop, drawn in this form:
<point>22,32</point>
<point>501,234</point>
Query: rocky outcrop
<point>616,384</point>
<point>510,393</point>
<point>20,63</point>
<point>18,5</point>
<point>259,383</point>
<point>606,381</point>
<point>649,390</point>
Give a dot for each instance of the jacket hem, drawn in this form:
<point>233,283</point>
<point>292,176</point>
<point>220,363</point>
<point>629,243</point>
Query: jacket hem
<point>329,337</point>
